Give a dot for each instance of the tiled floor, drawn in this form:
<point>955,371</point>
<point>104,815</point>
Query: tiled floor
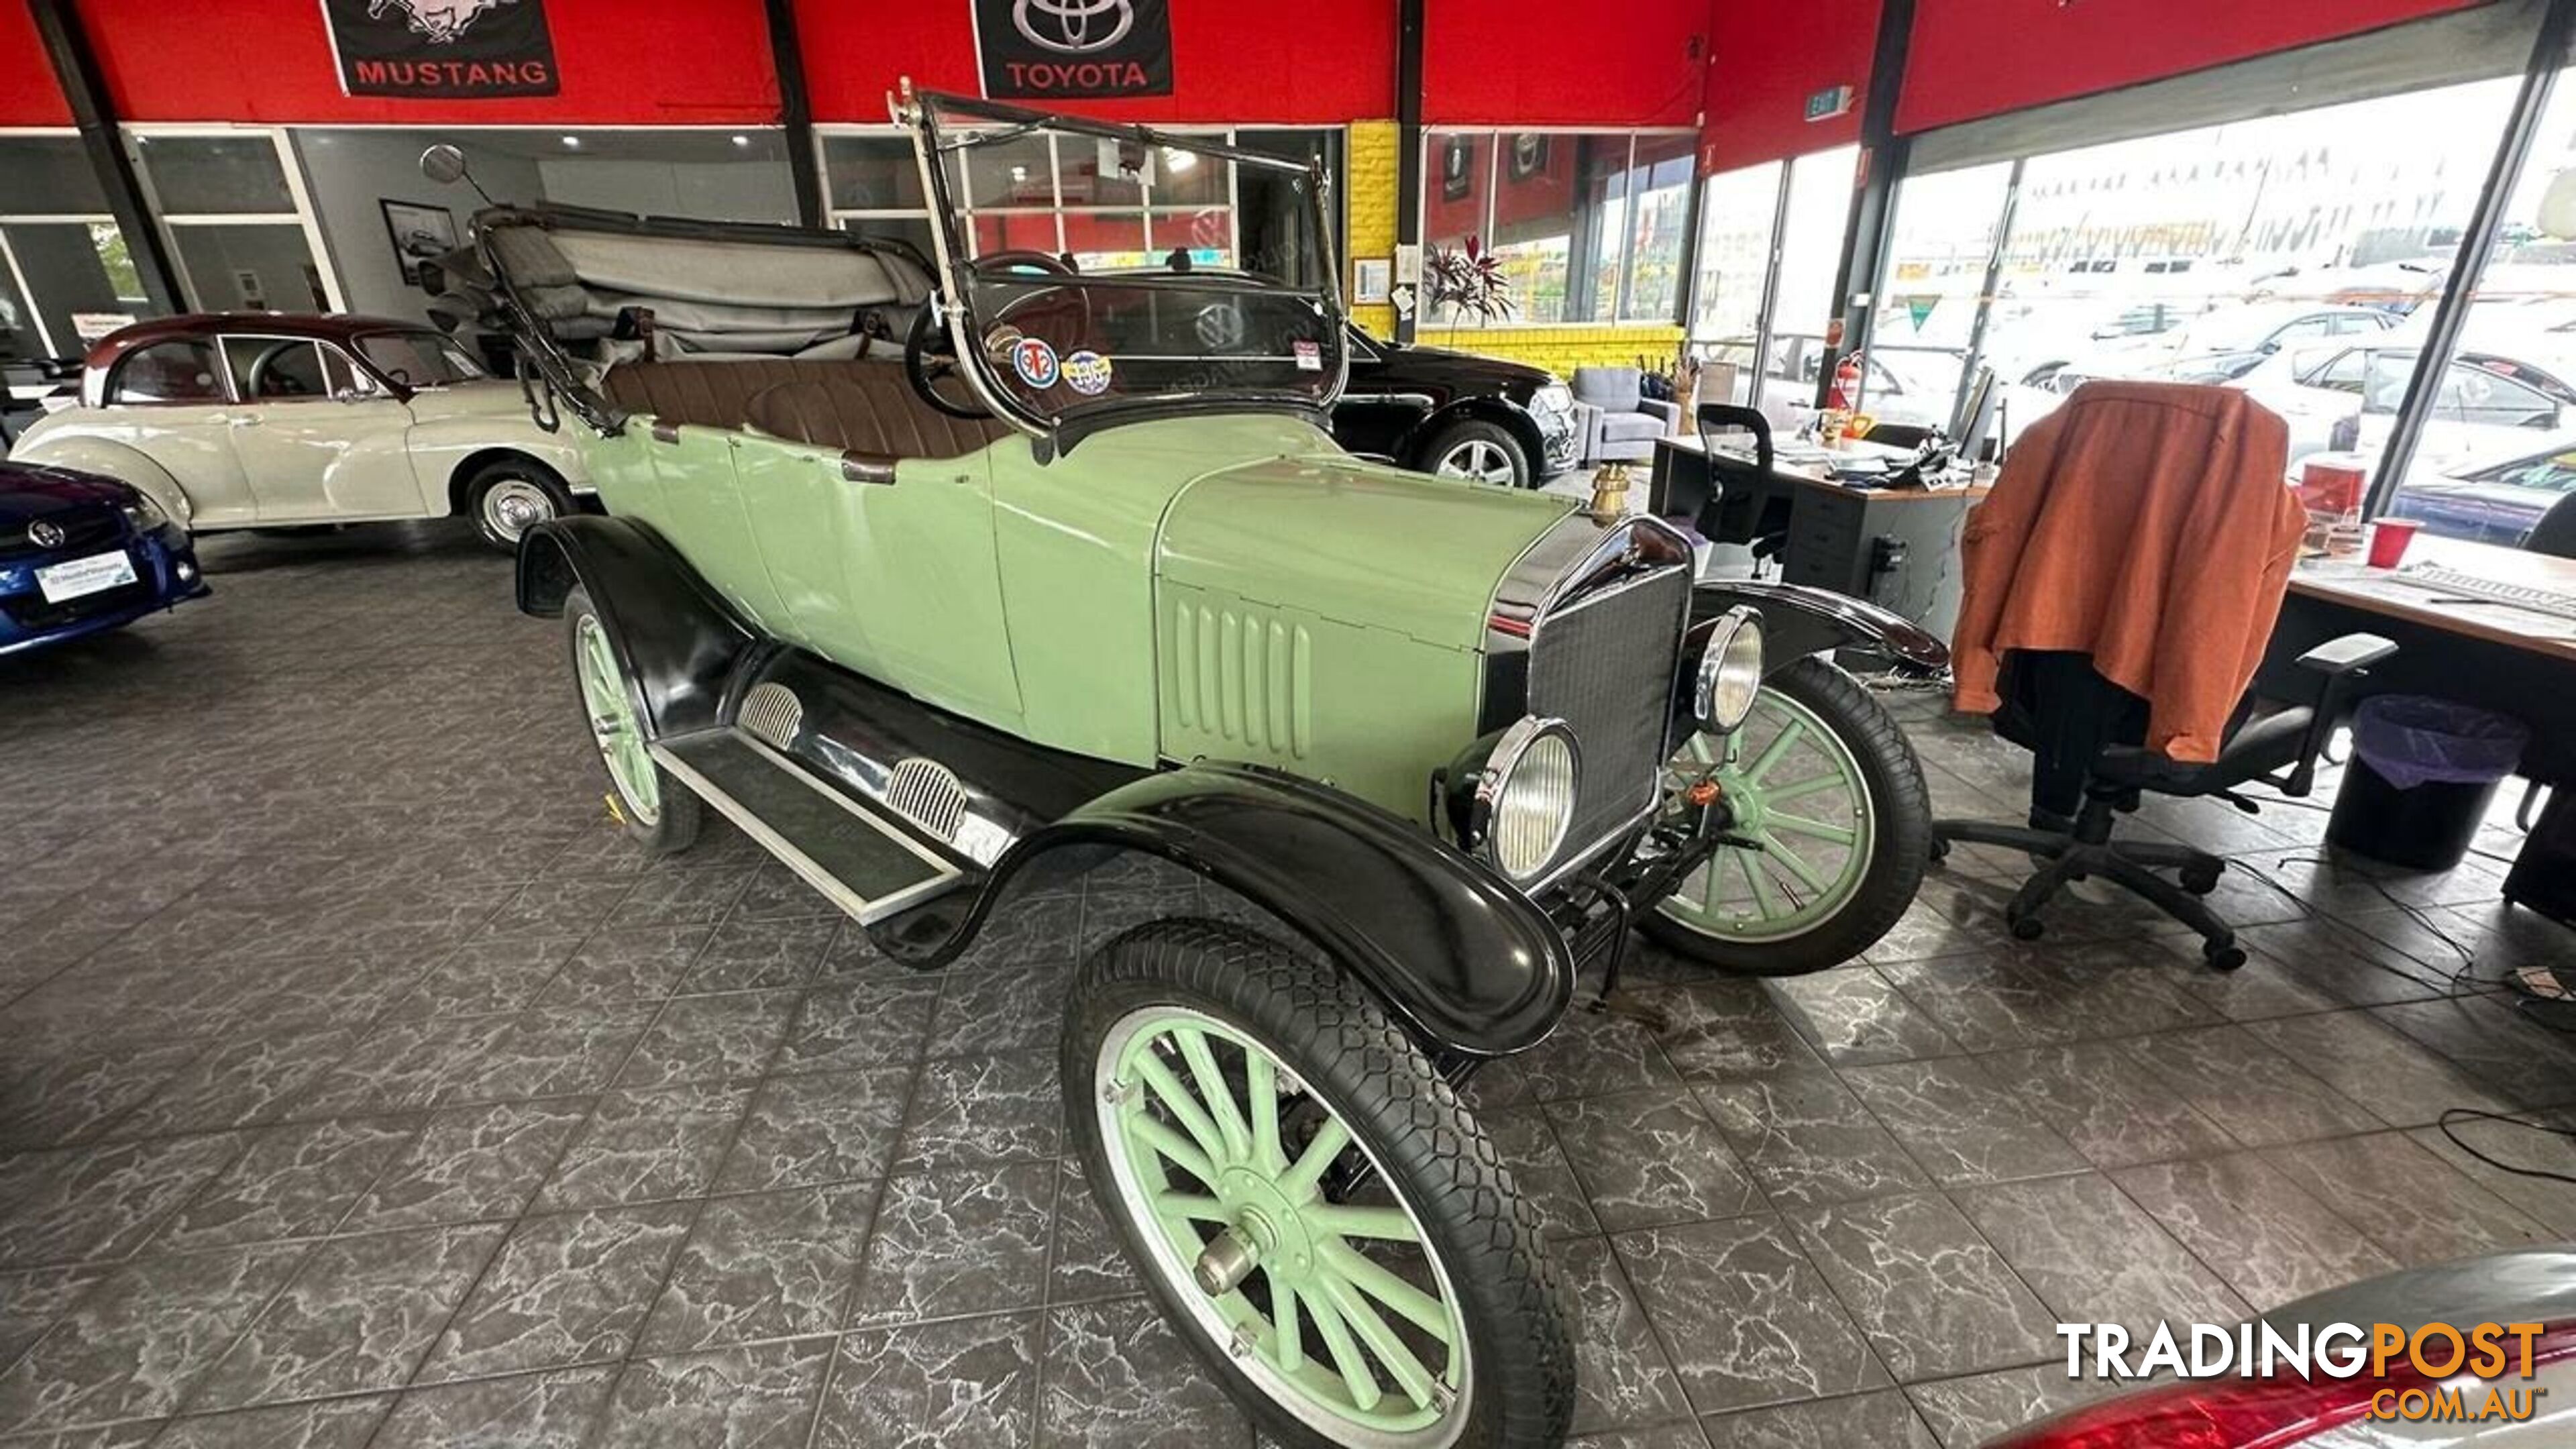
<point>358,1086</point>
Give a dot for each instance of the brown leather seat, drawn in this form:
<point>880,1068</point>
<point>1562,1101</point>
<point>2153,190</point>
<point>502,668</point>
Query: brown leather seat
<point>857,407</point>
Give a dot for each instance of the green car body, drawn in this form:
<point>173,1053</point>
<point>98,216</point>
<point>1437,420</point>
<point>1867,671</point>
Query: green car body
<point>1295,607</point>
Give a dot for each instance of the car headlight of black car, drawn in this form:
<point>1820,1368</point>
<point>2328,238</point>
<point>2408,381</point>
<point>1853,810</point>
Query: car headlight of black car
<point>1555,399</point>
<point>1512,795</point>
<point>1730,672</point>
<point>143,515</point>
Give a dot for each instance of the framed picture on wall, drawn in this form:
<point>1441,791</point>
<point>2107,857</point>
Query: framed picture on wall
<point>1529,155</point>
<point>420,233</point>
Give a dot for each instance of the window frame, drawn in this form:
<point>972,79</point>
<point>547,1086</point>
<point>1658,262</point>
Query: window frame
<point>1622,286</point>
<point>172,224</point>
<point>222,372</point>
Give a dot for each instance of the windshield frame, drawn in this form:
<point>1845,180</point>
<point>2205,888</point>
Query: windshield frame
<point>922,112</point>
<point>442,341</point>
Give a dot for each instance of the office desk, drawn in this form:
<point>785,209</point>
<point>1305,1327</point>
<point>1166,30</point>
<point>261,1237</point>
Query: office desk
<point>2490,655</point>
<point>1833,536</point>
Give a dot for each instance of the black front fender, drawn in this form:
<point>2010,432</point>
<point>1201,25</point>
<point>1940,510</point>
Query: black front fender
<point>677,640</point>
<point>1798,621</point>
<point>1463,961</point>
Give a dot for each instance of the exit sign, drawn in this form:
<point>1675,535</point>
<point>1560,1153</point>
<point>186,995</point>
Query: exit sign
<point>1826,104</point>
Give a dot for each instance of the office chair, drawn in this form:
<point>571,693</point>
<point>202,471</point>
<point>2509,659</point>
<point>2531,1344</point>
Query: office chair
<point>2555,533</point>
<point>2089,766</point>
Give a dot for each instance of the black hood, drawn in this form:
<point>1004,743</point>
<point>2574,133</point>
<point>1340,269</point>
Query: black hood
<point>28,492</point>
<point>1492,373</point>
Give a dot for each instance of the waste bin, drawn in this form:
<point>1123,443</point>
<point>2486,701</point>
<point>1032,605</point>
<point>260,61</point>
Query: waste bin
<point>2423,772</point>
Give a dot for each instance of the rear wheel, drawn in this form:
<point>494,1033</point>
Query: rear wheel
<point>1486,452</point>
<point>1820,776</point>
<point>509,497</point>
<point>1313,1210</point>
<point>657,811</point>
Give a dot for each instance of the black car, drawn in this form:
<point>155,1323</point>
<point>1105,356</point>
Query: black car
<point>1456,413</point>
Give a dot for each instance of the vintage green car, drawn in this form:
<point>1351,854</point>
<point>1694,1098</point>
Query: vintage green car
<point>1073,572</point>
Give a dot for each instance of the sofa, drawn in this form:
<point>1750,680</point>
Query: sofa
<point>1614,419</point>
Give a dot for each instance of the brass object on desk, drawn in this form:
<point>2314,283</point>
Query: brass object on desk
<point>1610,492</point>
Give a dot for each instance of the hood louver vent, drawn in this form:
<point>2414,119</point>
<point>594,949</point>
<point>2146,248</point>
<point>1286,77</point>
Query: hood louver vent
<point>928,794</point>
<point>772,713</point>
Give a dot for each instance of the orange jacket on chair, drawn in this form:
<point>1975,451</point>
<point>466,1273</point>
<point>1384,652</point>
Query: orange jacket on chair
<point>2150,526</point>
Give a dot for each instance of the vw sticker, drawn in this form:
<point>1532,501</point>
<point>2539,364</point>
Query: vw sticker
<point>1087,372</point>
<point>1034,361</point>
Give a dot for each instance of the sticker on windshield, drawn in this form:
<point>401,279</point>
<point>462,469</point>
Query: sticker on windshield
<point>1034,361</point>
<point>1310,354</point>
<point>1086,372</point>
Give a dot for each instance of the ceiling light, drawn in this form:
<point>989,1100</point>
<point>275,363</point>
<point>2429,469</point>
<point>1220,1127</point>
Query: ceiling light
<point>1019,174</point>
<point>573,142</point>
<point>742,140</point>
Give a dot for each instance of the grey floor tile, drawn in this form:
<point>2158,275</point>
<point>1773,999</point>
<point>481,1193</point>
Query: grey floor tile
<point>31,1301</point>
<point>1934,1299</point>
<point>736,1398</point>
<point>2257,1095</point>
<point>1682,1434</point>
<point>1622,1375</point>
<point>293,1181</point>
<point>1540,1171</point>
<point>1966,1412</point>
<point>930,1385</point>
<point>633,963</point>
<point>2406,1200</point>
<point>647,1146</point>
<point>2093,1256</point>
<point>774,1265</point>
<point>526,1411</point>
<point>1746,1318</point>
<point>2388,1074</point>
<point>239,1083</point>
<point>1807,1140</point>
<point>1087,1262</point>
<point>327,1424</point>
<point>1881,1420</point>
<point>995,1011</point>
<point>2108,1100</point>
<point>566,1289</point>
<point>83,1095</point>
<point>360,1315</point>
<point>74,1204</point>
<point>1855,1018</point>
<point>948,1245</point>
<point>855,1025</point>
<point>1588,1053</point>
<point>748,954</point>
<point>1960,1123</point>
<point>709,1039</point>
<point>1114,1375</point>
<point>2490,1153</point>
<point>1721,1030</point>
<point>136,1345</point>
<point>832,1127</point>
<point>2259,1230</point>
<point>1645,1159</point>
<point>2508,1052</point>
<point>470,1163</point>
<point>972,1111</point>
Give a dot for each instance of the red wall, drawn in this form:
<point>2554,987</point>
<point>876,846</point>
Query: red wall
<point>28,94</point>
<point>1555,63</point>
<point>1975,58</point>
<point>622,62</point>
<point>1311,62</point>
<point>1767,58</point>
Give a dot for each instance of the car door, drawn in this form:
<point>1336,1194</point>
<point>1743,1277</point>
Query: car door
<point>317,439</point>
<point>1376,411</point>
<point>171,402</point>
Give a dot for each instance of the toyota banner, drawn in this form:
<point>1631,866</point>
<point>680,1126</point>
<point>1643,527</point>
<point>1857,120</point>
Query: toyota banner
<point>1060,49</point>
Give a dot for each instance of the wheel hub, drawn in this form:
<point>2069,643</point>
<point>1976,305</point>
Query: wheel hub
<point>1265,1218</point>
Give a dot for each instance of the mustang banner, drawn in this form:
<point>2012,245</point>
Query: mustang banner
<point>442,48</point>
<point>1054,49</point>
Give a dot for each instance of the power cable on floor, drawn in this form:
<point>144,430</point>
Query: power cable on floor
<point>2473,1114</point>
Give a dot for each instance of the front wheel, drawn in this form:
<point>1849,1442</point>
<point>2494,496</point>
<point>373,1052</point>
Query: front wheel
<point>1486,452</point>
<point>1822,778</point>
<point>1313,1210</point>
<point>510,497</point>
<point>657,811</point>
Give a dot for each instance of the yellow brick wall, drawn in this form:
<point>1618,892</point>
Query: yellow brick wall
<point>1562,349</point>
<point>1368,209</point>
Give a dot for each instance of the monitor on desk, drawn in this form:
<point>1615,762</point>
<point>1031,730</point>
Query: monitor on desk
<point>1976,417</point>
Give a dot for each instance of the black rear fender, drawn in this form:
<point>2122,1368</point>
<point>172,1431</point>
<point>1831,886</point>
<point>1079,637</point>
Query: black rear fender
<point>1467,964</point>
<point>676,639</point>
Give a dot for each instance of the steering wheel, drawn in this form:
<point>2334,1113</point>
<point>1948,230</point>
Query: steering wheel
<point>1016,257</point>
<point>925,371</point>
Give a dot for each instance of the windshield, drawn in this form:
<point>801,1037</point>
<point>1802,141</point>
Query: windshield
<point>419,359</point>
<point>1099,268</point>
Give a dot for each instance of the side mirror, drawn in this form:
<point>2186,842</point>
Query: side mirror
<point>443,164</point>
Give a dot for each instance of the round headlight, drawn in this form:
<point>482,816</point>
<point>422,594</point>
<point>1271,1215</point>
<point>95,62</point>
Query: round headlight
<point>1526,798</point>
<point>1730,671</point>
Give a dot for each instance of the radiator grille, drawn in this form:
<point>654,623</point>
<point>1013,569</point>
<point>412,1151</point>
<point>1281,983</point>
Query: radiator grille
<point>1604,664</point>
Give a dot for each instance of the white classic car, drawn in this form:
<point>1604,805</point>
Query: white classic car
<point>266,420</point>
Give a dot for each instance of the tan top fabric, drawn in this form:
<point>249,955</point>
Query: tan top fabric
<point>2150,526</point>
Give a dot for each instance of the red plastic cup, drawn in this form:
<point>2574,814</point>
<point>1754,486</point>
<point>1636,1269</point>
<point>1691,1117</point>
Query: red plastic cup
<point>2388,540</point>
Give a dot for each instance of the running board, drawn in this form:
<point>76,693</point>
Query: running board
<point>862,862</point>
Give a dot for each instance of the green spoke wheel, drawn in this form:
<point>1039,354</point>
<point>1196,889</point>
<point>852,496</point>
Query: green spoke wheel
<point>1308,1202</point>
<point>1823,783</point>
<point>654,808</point>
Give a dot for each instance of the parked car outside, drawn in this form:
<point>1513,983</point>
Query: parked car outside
<point>2490,497</point>
<point>2347,397</point>
<point>1455,413</point>
<point>1082,584</point>
<point>80,554</point>
<point>270,420</point>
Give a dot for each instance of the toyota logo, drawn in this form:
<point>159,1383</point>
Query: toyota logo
<point>45,535</point>
<point>1074,27</point>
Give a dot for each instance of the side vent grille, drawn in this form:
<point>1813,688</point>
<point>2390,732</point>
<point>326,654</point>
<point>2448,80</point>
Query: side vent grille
<point>928,794</point>
<point>1244,678</point>
<point>772,712</point>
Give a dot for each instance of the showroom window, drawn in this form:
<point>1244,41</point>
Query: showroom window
<point>1068,194</point>
<point>1770,238</point>
<point>1929,299</point>
<point>66,279</point>
<point>232,203</point>
<point>1585,226</point>
<point>1731,296</point>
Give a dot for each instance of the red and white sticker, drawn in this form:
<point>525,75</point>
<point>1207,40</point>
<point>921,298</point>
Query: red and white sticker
<point>1309,354</point>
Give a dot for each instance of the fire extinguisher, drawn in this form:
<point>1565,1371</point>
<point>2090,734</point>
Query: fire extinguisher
<point>1844,396</point>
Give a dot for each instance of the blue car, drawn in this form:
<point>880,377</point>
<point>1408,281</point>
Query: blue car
<point>80,553</point>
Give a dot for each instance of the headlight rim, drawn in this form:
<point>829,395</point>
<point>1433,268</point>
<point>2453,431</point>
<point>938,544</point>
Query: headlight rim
<point>1493,783</point>
<point>1741,624</point>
